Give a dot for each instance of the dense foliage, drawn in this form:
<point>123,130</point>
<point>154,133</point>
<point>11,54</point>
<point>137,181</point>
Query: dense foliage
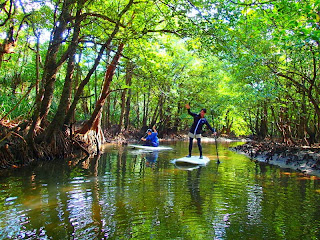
<point>253,64</point>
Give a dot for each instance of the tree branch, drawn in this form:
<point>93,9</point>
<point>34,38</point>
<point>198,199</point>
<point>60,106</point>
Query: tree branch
<point>85,15</point>
<point>254,3</point>
<point>9,13</point>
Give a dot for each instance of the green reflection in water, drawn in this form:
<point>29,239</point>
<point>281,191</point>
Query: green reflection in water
<point>126,193</point>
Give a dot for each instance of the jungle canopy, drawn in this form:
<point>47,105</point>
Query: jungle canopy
<point>74,70</point>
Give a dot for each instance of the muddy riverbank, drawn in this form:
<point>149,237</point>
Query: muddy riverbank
<point>304,159</point>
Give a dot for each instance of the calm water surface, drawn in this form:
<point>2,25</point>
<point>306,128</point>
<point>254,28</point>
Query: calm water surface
<point>131,194</point>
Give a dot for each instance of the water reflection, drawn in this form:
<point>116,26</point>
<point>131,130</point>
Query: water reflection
<point>125,194</point>
<point>151,158</point>
<point>194,189</point>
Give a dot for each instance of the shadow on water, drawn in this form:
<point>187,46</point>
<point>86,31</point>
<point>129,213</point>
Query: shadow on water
<point>126,193</point>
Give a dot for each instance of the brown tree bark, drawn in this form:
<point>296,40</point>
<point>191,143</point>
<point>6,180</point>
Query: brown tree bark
<point>144,110</point>
<point>228,124</point>
<point>125,106</point>
<point>81,86</point>
<point>312,91</point>
<point>59,118</point>
<point>146,102</point>
<point>95,119</point>
<point>127,110</point>
<point>283,125</point>
<point>97,61</point>
<point>128,102</point>
<point>177,119</point>
<point>108,122</point>
<point>51,66</point>
<point>38,58</point>
<point>156,110</point>
<point>8,45</point>
<point>137,109</point>
<point>264,122</point>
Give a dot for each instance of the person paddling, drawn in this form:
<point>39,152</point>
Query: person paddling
<point>195,131</point>
<point>152,138</point>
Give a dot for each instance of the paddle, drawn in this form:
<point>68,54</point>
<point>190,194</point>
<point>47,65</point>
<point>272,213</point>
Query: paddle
<point>215,140</point>
<point>140,141</point>
<point>143,137</point>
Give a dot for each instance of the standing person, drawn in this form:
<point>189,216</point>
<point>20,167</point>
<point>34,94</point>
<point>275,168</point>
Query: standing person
<point>152,138</point>
<point>195,131</point>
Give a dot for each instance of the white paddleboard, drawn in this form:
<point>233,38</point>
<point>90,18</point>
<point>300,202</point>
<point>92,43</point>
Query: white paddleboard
<point>188,167</point>
<point>195,160</point>
<point>149,147</point>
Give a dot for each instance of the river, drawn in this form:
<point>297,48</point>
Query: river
<point>131,194</point>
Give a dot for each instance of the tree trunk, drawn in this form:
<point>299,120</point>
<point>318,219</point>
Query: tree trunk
<point>108,122</point>
<point>256,125</point>
<point>123,105</point>
<point>104,93</point>
<point>228,124</point>
<point>283,126</point>
<point>313,99</point>
<point>177,118</point>
<point>114,107</point>
<point>8,45</point>
<point>264,122</point>
<point>128,82</point>
<point>127,110</point>
<point>44,97</point>
<point>52,65</point>
<point>163,124</point>
<point>86,80</point>
<point>92,70</point>
<point>137,109</point>
<point>80,88</point>
<point>59,118</point>
<point>156,112</point>
<point>144,117</point>
<point>146,102</point>
<point>302,128</point>
<point>38,64</point>
<point>311,130</point>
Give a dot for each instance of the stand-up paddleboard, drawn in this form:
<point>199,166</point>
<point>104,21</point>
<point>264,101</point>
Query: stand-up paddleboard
<point>149,147</point>
<point>187,167</point>
<point>194,160</point>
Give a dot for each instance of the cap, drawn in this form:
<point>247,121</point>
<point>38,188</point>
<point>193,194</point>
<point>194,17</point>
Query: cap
<point>149,130</point>
<point>204,110</point>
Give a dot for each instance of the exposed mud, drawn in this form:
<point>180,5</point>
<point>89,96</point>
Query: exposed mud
<point>304,159</point>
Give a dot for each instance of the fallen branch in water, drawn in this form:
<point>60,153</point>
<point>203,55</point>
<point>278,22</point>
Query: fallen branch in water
<point>81,147</point>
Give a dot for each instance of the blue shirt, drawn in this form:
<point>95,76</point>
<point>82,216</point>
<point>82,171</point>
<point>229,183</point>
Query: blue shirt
<point>153,138</point>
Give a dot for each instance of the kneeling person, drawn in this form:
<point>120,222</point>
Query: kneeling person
<point>152,138</point>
